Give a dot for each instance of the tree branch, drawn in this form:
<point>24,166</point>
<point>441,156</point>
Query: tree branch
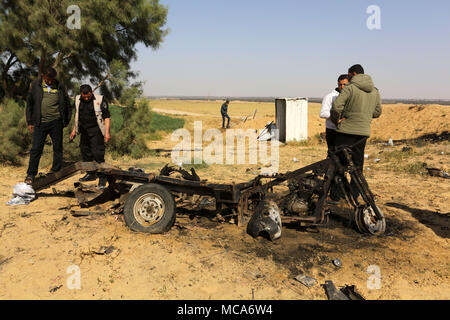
<point>102,82</point>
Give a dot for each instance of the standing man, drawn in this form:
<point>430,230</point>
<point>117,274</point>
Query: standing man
<point>92,121</point>
<point>327,104</point>
<point>47,113</point>
<point>224,112</point>
<point>353,111</point>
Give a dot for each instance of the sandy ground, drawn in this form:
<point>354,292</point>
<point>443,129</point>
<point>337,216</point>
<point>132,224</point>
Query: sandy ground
<point>201,258</point>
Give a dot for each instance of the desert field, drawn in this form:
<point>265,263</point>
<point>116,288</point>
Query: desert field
<point>204,258</point>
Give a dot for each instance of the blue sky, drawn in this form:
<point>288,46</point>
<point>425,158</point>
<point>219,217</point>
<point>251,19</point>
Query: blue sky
<point>294,48</point>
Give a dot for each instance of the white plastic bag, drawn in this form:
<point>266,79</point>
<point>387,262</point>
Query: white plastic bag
<point>23,194</point>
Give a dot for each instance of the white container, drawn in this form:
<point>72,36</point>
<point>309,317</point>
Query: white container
<point>292,118</point>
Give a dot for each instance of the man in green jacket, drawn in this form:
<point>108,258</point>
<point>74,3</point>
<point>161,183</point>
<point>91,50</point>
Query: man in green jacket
<point>353,110</point>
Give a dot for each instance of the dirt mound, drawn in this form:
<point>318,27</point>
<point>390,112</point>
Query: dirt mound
<point>410,122</point>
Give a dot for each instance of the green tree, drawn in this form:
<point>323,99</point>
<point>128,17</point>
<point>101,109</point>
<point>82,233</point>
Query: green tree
<point>36,34</point>
<point>119,86</point>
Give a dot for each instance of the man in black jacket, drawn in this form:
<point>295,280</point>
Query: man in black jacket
<point>47,113</point>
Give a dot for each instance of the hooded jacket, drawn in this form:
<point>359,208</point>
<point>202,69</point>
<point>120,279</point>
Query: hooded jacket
<point>358,103</point>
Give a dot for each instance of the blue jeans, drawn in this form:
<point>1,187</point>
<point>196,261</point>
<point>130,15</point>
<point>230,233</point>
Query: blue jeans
<point>225,116</point>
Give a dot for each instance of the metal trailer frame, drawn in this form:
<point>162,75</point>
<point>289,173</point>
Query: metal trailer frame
<point>241,198</point>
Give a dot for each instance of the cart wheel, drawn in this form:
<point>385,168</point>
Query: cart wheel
<point>150,209</point>
<point>367,222</point>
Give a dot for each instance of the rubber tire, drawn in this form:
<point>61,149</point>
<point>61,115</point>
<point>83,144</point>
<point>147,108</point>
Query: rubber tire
<point>168,218</point>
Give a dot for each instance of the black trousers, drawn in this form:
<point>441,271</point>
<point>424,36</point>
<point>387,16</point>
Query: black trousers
<point>40,133</point>
<point>330,136</point>
<point>343,139</point>
<point>225,116</point>
<point>92,145</point>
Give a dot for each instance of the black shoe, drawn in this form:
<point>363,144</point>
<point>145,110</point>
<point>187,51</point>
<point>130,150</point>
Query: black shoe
<point>29,180</point>
<point>89,177</point>
<point>102,182</point>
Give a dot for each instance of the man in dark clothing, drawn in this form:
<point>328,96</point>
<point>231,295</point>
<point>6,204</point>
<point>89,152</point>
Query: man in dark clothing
<point>224,112</point>
<point>92,121</point>
<point>353,110</point>
<point>47,113</point>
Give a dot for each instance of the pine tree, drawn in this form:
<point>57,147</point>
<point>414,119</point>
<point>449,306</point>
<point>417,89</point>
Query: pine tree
<point>34,34</point>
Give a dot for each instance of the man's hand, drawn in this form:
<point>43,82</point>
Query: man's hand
<point>340,120</point>
<point>73,134</point>
<point>31,128</point>
<point>107,138</point>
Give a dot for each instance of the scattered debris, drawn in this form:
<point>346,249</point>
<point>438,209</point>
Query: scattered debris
<point>4,261</point>
<point>79,213</point>
<point>25,215</point>
<point>23,194</point>
<point>191,227</point>
<point>295,160</point>
<point>438,173</point>
<point>377,160</point>
<point>6,226</point>
<point>332,292</point>
<point>417,108</point>
<point>268,133</point>
<point>345,293</point>
<point>265,221</point>
<point>103,250</point>
<point>366,156</point>
<point>306,280</point>
<point>351,293</point>
<point>337,263</point>
<point>205,202</point>
<point>54,289</point>
<point>406,149</point>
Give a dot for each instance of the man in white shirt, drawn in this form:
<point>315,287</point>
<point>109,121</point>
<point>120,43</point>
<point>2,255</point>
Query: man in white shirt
<point>327,104</point>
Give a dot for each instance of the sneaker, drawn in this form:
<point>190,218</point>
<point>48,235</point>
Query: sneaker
<point>89,177</point>
<point>102,182</point>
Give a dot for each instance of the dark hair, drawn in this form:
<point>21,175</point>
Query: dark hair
<point>343,77</point>
<point>357,68</point>
<point>50,72</point>
<point>227,101</point>
<point>85,89</point>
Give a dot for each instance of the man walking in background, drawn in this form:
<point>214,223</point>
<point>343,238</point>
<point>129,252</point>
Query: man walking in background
<point>327,104</point>
<point>224,112</point>
<point>353,110</point>
<point>92,120</point>
<point>47,113</point>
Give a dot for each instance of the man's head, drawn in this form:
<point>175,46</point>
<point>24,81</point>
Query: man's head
<point>86,92</point>
<point>342,82</point>
<point>227,102</point>
<point>49,76</point>
<point>354,70</point>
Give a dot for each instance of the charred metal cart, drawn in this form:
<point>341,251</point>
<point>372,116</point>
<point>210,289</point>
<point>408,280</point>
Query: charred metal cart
<point>149,205</point>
